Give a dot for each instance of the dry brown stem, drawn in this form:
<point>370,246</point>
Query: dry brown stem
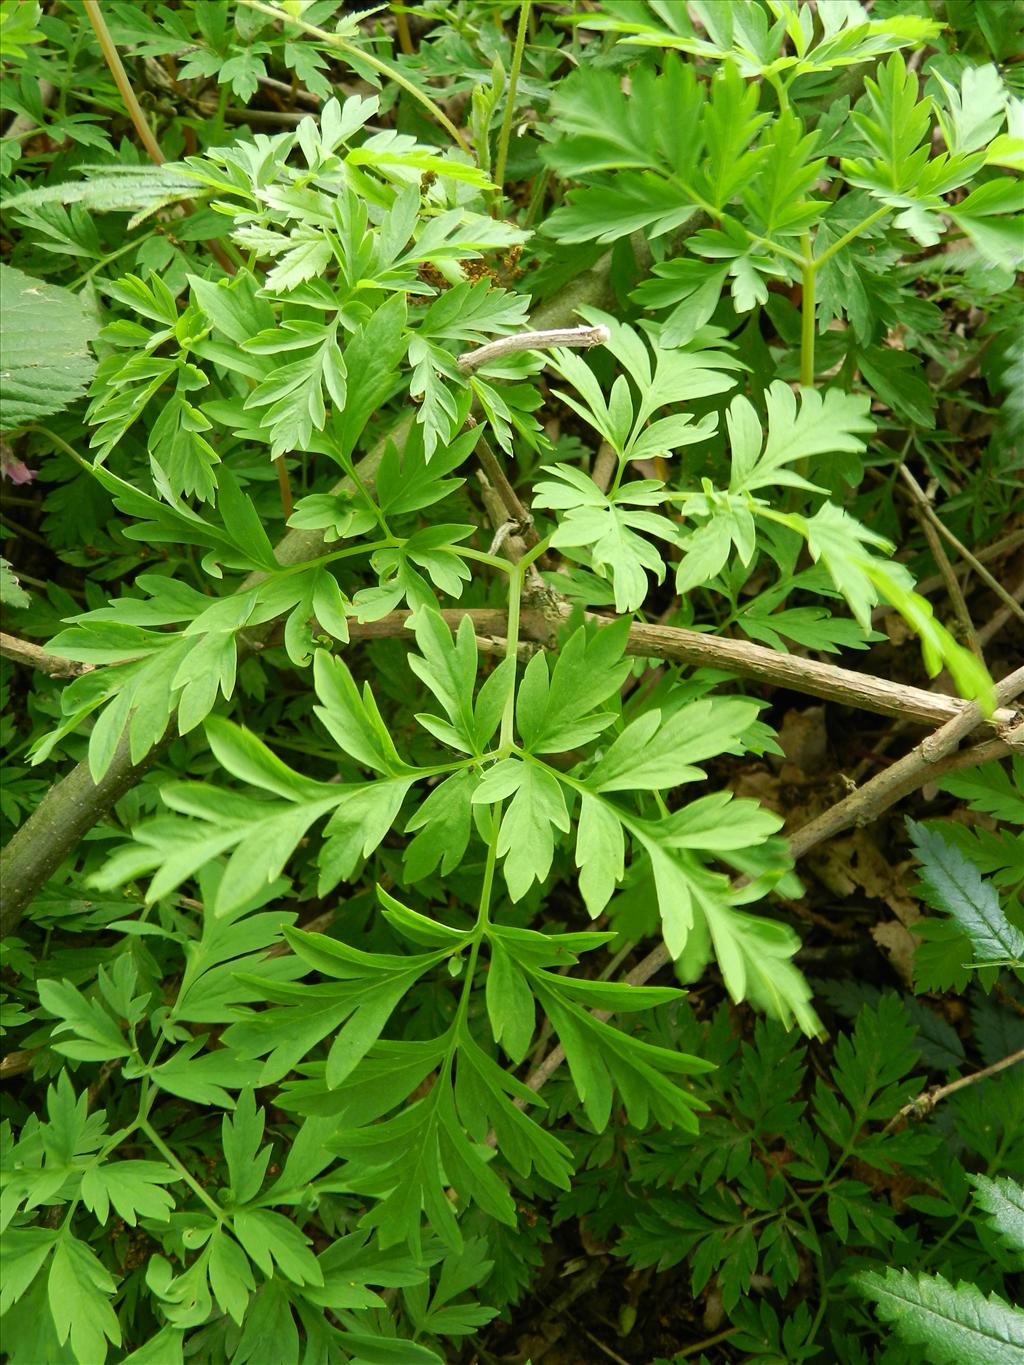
<point>924,1104</point>
<point>922,501</point>
<point>23,652</point>
<point>580,337</point>
<point>677,645</point>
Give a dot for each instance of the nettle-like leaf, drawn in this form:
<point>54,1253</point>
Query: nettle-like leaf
<point>12,594</point>
<point>45,360</point>
<point>1003,1201</point>
<point>953,884</point>
<point>957,1326</point>
<point>140,190</point>
<point>992,788</point>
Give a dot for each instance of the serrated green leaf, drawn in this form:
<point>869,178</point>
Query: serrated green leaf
<point>651,754</point>
<point>600,852</point>
<point>204,1076</point>
<point>827,421</point>
<point>958,1326</point>
<point>448,667</point>
<point>45,357</point>
<point>97,1036</point>
<point>956,887</point>
<point>353,721</point>
<point>1003,1200</point>
<point>976,111</point>
<point>510,1005</point>
<point>241,1135</point>
<point>991,788</point>
<point>231,1277</point>
<point>12,594</point>
<point>488,1096</point>
<point>270,1238</point>
<point>142,189</point>
<point>444,822</point>
<point>362,817</point>
<point>23,1252</point>
<point>245,756</point>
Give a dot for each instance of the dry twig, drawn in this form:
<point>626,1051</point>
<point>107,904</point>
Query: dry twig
<point>580,337</point>
<point>965,554</point>
<point>924,1104</point>
<point>23,652</point>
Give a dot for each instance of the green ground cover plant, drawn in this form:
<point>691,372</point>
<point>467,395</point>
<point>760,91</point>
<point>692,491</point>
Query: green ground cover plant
<point>443,441</point>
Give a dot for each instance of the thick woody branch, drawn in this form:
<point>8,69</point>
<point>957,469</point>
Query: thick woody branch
<point>673,643</point>
<point>926,762</point>
<point>826,681</point>
<point>24,652</point>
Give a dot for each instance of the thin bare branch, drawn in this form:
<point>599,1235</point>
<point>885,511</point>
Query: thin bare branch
<point>497,478</point>
<point>958,545</point>
<point>677,645</point>
<point>949,578</point>
<point>580,337</point>
<point>924,1104</point>
<point>998,620</point>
